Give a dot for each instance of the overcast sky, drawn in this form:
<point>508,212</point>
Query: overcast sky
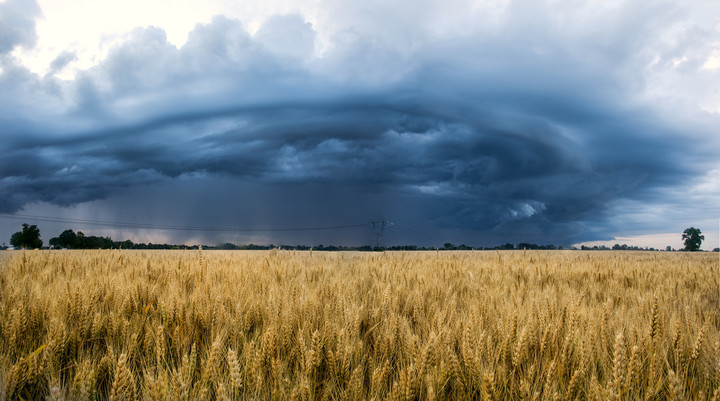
<point>478,122</point>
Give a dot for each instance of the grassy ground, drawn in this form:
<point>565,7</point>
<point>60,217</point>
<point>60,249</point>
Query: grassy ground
<point>231,325</point>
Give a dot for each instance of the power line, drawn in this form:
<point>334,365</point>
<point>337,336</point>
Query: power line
<point>172,227</point>
<point>410,230</point>
<point>378,228</point>
<point>405,231</point>
<point>407,234</point>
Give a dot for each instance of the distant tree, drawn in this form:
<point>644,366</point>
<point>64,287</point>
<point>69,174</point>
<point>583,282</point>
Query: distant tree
<point>67,239</point>
<point>669,248</point>
<point>127,244</point>
<point>16,239</point>
<point>70,239</point>
<point>80,240</point>
<point>29,237</point>
<point>693,238</point>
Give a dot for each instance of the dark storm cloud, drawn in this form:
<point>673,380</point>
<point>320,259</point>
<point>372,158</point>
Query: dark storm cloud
<point>519,135</point>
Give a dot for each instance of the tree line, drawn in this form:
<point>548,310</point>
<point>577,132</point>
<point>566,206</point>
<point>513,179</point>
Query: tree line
<point>29,238</point>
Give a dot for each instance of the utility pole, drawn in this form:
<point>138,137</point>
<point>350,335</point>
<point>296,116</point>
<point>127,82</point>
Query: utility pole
<point>378,228</point>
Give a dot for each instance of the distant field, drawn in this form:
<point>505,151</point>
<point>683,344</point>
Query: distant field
<point>234,325</point>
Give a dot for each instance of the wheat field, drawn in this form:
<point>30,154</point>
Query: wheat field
<point>277,325</point>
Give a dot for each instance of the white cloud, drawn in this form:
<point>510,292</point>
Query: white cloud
<point>91,28</point>
<point>713,62</point>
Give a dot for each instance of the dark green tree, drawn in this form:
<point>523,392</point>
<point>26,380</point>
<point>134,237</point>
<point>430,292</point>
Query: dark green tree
<point>16,239</point>
<point>70,239</point>
<point>693,238</point>
<point>29,237</point>
<point>67,239</point>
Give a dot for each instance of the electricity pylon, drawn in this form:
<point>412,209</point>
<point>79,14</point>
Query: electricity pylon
<point>378,228</point>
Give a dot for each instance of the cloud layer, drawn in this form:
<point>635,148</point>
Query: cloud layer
<point>520,122</point>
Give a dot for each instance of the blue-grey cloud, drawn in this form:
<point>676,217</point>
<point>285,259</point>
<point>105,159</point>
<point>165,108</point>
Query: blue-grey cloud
<point>62,60</point>
<point>287,35</point>
<point>17,24</point>
<point>525,133</point>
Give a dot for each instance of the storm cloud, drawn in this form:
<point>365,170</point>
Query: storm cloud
<point>529,125</point>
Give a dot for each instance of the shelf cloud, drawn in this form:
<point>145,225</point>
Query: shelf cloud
<point>481,124</point>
